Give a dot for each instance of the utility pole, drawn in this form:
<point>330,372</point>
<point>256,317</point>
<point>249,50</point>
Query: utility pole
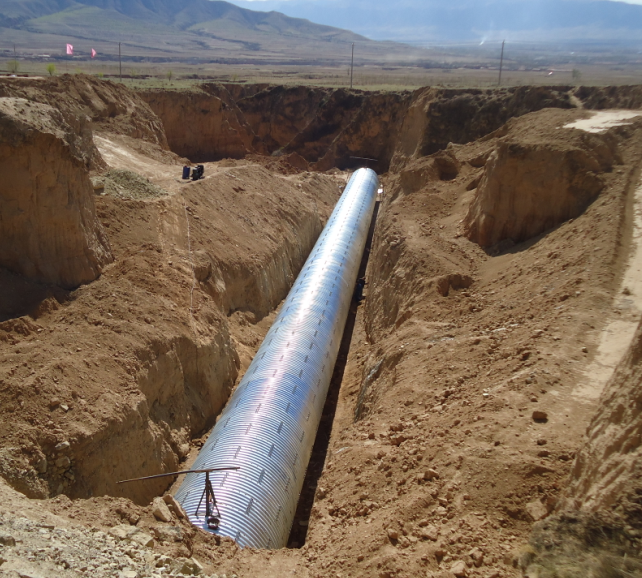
<point>351,66</point>
<point>501,64</point>
<point>120,64</point>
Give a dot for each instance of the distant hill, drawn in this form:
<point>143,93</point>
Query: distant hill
<point>52,15</point>
<point>313,31</point>
<point>426,21</point>
<point>189,29</point>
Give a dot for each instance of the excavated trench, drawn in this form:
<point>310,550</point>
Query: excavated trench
<point>320,129</point>
<point>297,129</point>
<point>299,530</point>
<point>339,130</point>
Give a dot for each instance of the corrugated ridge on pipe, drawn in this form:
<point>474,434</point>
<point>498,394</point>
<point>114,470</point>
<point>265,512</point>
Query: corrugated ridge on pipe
<point>269,424</point>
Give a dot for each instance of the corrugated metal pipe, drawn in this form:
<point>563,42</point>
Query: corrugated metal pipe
<point>269,424</point>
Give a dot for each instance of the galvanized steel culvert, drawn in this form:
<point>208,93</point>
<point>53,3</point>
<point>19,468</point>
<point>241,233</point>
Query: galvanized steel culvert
<point>269,424</point>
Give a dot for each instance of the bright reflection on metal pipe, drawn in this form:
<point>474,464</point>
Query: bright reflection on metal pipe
<point>270,422</point>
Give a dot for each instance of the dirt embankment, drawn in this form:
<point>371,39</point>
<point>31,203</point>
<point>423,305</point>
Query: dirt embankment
<point>597,529</point>
<point>607,472</point>
<point>108,105</point>
<point>140,361</point>
<point>328,128</point>
<point>50,233</point>
<point>535,180</point>
<point>462,408</point>
<point>617,97</point>
<point>465,395</point>
<point>598,525</point>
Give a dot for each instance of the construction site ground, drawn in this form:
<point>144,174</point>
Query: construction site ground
<point>460,411</point>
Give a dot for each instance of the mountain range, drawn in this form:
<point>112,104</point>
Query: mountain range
<point>196,29</point>
<point>303,31</point>
<point>49,15</point>
<point>428,21</point>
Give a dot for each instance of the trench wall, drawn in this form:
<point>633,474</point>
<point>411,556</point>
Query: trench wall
<point>328,127</point>
<point>147,376</point>
<point>112,379</point>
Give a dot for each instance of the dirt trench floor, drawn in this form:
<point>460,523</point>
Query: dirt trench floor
<point>459,413</point>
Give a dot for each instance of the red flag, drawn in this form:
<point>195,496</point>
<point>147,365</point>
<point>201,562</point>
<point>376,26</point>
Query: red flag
<point>70,50</point>
<point>93,53</point>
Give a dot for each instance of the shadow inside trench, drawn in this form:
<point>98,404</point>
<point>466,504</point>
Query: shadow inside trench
<point>299,530</point>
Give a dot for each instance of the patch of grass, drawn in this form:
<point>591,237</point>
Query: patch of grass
<point>581,545</point>
<point>125,184</point>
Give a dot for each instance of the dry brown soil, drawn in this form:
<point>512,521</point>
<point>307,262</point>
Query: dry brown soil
<point>469,384</point>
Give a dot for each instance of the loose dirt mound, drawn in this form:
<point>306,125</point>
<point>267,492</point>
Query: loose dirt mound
<point>536,177</point>
<point>50,233</point>
<point>463,399</point>
<point>109,105</point>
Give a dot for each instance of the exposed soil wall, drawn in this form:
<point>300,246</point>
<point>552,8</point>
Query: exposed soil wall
<point>49,228</point>
<point>599,97</point>
<point>201,127</point>
<point>461,116</point>
<point>535,180</point>
<point>464,396</point>
<point>607,473</point>
<point>158,339</point>
<point>328,127</point>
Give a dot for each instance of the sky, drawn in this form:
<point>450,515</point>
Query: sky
<point>626,1</point>
<point>468,20</point>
